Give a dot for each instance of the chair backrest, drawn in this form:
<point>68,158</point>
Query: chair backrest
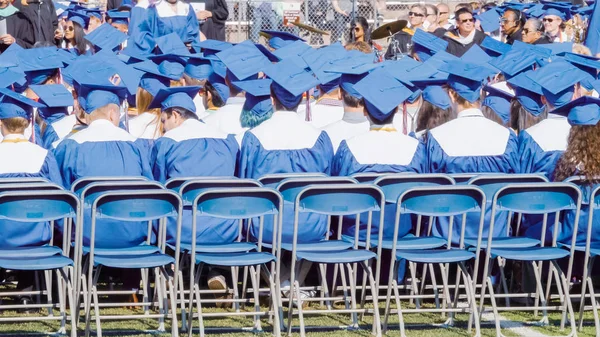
<point>585,187</point>
<point>272,180</point>
<point>339,199</point>
<point>23,180</point>
<point>91,191</point>
<point>81,183</point>
<point>175,183</point>
<point>38,205</point>
<point>491,183</point>
<point>192,188</point>
<point>367,177</point>
<point>462,178</point>
<point>393,185</point>
<point>537,198</point>
<point>39,186</point>
<point>439,201</point>
<point>290,187</point>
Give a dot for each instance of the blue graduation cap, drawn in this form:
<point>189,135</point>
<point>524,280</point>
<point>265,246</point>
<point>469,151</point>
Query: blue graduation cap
<point>352,70</point>
<point>558,80</point>
<point>489,20</point>
<point>130,77</point>
<point>118,17</point>
<point>131,55</point>
<point>563,12</point>
<point>399,69</point>
<point>217,79</point>
<point>583,111</point>
<point>290,81</point>
<point>426,44</point>
<point>515,62</point>
<point>258,96</point>
<point>78,17</point>
<point>528,93</point>
<point>8,77</point>
<point>498,99</point>
<point>437,96</point>
<point>199,68</point>
<point>154,79</point>
<point>319,60</point>
<point>536,11</point>
<point>294,51</point>
<point>211,47</point>
<point>466,79</point>
<point>175,97</point>
<point>475,55</point>
<point>97,12</point>
<point>39,63</point>
<point>381,93</point>
<point>541,52</point>
<point>163,70</point>
<point>589,64</point>
<point>171,44</point>
<point>106,37</point>
<point>494,47</point>
<point>92,96</point>
<point>280,39</point>
<point>557,48</point>
<point>55,97</point>
<point>13,105</point>
<point>243,60</point>
<point>440,59</point>
<point>267,53</point>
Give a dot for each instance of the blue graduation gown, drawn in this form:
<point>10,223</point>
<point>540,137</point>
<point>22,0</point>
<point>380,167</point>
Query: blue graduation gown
<point>472,144</point>
<point>194,149</point>
<point>287,144</point>
<point>379,151</point>
<point>160,20</point>
<point>103,149</point>
<point>57,129</point>
<point>38,162</point>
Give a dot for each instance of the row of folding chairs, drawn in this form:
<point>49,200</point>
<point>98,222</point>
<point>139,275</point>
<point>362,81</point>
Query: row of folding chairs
<point>268,241</point>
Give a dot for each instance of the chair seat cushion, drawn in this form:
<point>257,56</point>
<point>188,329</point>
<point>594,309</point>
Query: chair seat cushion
<point>342,256</point>
<point>142,249</point>
<point>435,256</point>
<point>235,259</point>
<point>134,261</point>
<point>504,242</point>
<point>414,242</point>
<point>233,247</point>
<point>530,254</point>
<point>36,263</point>
<point>30,252</point>
<point>320,246</point>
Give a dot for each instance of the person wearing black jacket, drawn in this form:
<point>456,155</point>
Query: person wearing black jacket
<point>533,32</point>
<point>512,25</point>
<point>19,29</point>
<point>416,17</point>
<point>42,15</point>
<point>465,36</point>
<point>212,19</point>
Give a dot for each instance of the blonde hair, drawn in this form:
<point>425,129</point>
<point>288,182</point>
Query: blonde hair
<point>580,49</point>
<point>142,101</point>
<point>15,124</point>
<point>360,46</point>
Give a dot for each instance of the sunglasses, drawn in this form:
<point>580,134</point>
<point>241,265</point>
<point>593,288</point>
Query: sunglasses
<point>416,14</point>
<point>527,31</point>
<point>547,19</point>
<point>467,20</point>
<point>357,29</point>
<point>70,28</point>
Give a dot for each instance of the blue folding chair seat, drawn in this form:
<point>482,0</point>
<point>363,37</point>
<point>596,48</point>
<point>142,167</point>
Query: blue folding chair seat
<point>225,248</point>
<point>344,256</point>
<point>414,242</point>
<point>36,263</point>
<point>435,256</point>
<point>134,261</point>
<point>32,252</point>
<point>235,259</point>
<point>320,246</point>
<point>141,249</point>
<point>530,253</point>
<point>505,242</point>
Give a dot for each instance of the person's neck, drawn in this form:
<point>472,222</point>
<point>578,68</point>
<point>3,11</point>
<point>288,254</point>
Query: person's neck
<point>460,107</point>
<point>554,33</point>
<point>333,94</point>
<point>443,23</point>
<point>464,34</point>
<point>415,27</point>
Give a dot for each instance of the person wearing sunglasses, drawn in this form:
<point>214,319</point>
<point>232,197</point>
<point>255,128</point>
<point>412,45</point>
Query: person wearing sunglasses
<point>553,20</point>
<point>533,32</point>
<point>444,16</point>
<point>416,17</point>
<point>511,25</point>
<point>465,35</point>
<point>432,20</point>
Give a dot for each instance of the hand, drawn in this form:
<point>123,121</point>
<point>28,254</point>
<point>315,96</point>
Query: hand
<point>203,15</point>
<point>58,34</point>
<point>7,39</point>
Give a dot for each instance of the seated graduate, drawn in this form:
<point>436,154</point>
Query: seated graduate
<point>470,143</point>
<point>57,101</point>
<point>258,106</point>
<point>243,61</point>
<point>496,104</point>
<point>382,149</point>
<point>541,145</point>
<point>119,19</point>
<point>75,42</point>
<point>354,121</point>
<point>216,91</point>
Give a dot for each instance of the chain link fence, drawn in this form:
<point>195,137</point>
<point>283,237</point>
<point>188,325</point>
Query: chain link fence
<point>248,17</point>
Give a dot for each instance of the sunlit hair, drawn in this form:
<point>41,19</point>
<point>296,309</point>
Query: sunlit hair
<point>582,156</point>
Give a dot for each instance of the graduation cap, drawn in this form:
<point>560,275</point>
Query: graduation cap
<point>130,77</point>
<point>8,77</point>
<point>476,55</point>
<point>55,97</point>
<point>93,96</point>
<point>563,12</point>
<point>558,80</point>
<point>78,17</point>
<point>243,60</point>
<point>536,11</point>
<point>528,93</point>
<point>154,79</point>
<point>211,47</point>
<point>498,99</point>
<point>258,96</point>
<point>175,97</point>
<point>440,59</point>
<point>39,63</point>
<point>514,62</point>
<point>583,111</point>
<point>466,79</point>
<point>352,70</point>
<point>399,69</point>
<point>171,44</point>
<point>294,52</point>
<point>557,48</point>
<point>381,93</point>
<point>279,39</point>
<point>589,64</point>
<point>437,96</point>
<point>106,37</point>
<point>13,104</point>
<point>493,47</point>
<point>426,44</point>
<point>97,12</point>
<point>541,52</point>
<point>118,16</point>
<point>290,81</point>
<point>199,68</point>
<point>489,20</point>
<point>217,79</point>
<point>267,53</point>
<point>319,60</point>
<point>131,55</point>
<point>161,70</point>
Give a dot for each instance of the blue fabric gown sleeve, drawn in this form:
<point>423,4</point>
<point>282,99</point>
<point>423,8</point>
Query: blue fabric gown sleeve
<point>51,171</point>
<point>340,160</point>
<point>526,152</point>
<point>158,160</point>
<point>435,155</point>
<point>420,159</point>
<point>66,156</point>
<point>50,137</point>
<point>247,153</point>
<point>144,155</point>
<point>142,30</point>
<point>327,151</point>
<point>512,153</point>
<point>193,29</point>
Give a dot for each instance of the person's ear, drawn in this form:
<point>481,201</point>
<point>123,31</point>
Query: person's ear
<point>340,94</point>
<point>452,96</point>
<point>543,99</point>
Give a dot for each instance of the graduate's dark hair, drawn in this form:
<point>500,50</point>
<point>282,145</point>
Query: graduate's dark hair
<point>277,106</point>
<point>217,100</point>
<point>431,116</point>
<point>463,10</point>
<point>81,44</point>
<point>349,100</point>
<point>521,119</point>
<point>361,21</point>
<point>388,120</point>
<point>490,114</point>
<point>184,113</point>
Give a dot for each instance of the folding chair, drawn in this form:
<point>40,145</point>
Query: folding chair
<point>81,183</point>
<point>20,180</point>
<point>332,200</point>
<point>175,183</point>
<point>272,180</point>
<point>127,207</point>
<point>40,206</point>
<point>462,178</point>
<point>543,199</point>
<point>368,177</point>
<point>188,191</point>
<point>435,202</point>
<point>236,203</point>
